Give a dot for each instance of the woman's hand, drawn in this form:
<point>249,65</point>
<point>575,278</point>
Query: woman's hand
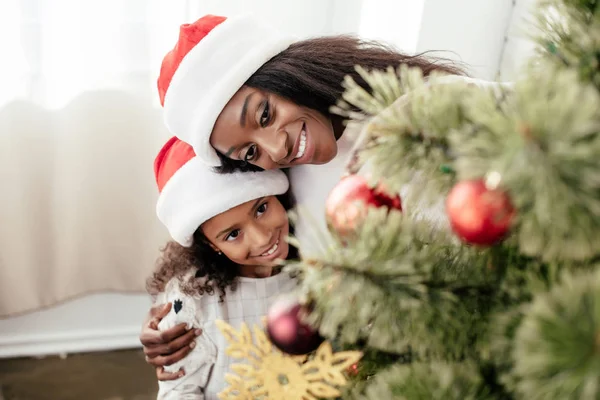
<point>166,347</point>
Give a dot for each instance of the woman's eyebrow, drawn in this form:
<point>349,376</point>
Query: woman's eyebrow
<point>245,110</point>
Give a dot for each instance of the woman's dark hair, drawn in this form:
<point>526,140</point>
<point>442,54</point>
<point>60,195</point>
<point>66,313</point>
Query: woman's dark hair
<point>213,271</point>
<point>310,72</point>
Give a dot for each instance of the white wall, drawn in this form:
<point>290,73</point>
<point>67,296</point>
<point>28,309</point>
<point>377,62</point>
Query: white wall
<point>518,46</point>
<point>486,35</point>
<point>395,21</point>
<point>303,18</point>
<point>474,30</point>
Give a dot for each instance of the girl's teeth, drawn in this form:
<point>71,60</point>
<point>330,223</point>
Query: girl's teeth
<point>302,146</point>
<point>272,249</point>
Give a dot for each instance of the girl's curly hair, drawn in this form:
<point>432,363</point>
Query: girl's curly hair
<point>213,271</point>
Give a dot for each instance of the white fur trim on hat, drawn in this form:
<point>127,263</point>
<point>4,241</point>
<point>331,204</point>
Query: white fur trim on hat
<point>195,194</point>
<point>211,73</point>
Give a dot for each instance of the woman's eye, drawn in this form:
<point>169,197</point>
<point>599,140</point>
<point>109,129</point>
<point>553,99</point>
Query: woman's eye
<point>232,235</point>
<point>251,153</point>
<point>261,209</point>
<point>264,117</point>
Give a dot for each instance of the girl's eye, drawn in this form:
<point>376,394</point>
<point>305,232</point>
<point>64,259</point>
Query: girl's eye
<point>265,116</point>
<point>232,235</point>
<point>251,153</point>
<point>261,209</point>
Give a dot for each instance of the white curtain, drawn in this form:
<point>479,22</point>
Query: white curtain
<point>80,124</point>
<point>79,127</point>
<point>53,50</point>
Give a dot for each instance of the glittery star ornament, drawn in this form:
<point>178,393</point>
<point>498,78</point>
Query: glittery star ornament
<point>267,373</point>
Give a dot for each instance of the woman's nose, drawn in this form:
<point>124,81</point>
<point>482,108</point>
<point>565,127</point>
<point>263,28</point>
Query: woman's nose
<point>275,147</point>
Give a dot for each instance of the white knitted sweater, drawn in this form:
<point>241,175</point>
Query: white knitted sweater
<point>207,364</point>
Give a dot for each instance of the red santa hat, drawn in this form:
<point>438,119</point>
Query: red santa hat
<point>192,192</point>
<point>212,59</point>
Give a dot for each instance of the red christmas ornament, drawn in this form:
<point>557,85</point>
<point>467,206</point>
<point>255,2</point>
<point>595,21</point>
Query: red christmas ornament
<point>353,370</point>
<point>479,215</point>
<point>286,329</point>
<point>347,202</point>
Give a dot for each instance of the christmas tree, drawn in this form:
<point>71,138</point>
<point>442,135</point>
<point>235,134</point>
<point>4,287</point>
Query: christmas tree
<point>500,297</point>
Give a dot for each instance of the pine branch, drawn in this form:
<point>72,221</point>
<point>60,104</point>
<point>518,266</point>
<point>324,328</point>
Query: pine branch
<point>545,143</point>
<point>544,140</point>
<point>569,36</point>
<point>398,283</point>
<point>385,87</point>
<point>409,139</point>
<point>557,345</point>
<point>453,381</point>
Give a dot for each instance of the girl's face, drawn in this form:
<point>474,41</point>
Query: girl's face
<point>270,132</point>
<point>252,233</point>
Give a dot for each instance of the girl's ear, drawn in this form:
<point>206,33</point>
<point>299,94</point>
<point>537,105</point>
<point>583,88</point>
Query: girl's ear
<point>208,242</point>
<point>215,248</point>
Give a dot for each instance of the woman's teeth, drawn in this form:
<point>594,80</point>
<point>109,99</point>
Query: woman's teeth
<point>272,249</point>
<point>302,146</point>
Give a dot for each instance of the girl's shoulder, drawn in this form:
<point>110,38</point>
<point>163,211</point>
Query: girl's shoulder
<point>182,286</point>
<point>185,303</point>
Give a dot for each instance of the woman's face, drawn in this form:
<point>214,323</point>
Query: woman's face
<point>253,233</point>
<point>268,131</point>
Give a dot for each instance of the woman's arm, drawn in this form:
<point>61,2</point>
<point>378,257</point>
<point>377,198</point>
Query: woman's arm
<point>167,347</point>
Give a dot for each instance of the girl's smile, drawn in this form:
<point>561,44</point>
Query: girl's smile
<point>251,234</point>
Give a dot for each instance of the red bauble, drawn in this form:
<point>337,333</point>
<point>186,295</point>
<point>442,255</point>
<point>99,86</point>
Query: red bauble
<point>286,329</point>
<point>347,202</point>
<point>353,370</point>
<point>477,214</point>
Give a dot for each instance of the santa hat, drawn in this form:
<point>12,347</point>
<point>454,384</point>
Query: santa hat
<point>211,61</point>
<point>192,192</point>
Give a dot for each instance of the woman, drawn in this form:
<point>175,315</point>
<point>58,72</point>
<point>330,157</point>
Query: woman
<point>229,231</point>
<point>242,93</point>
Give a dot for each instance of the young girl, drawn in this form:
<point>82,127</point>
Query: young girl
<point>229,232</point>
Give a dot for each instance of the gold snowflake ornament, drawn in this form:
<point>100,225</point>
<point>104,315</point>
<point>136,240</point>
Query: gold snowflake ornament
<point>271,374</point>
